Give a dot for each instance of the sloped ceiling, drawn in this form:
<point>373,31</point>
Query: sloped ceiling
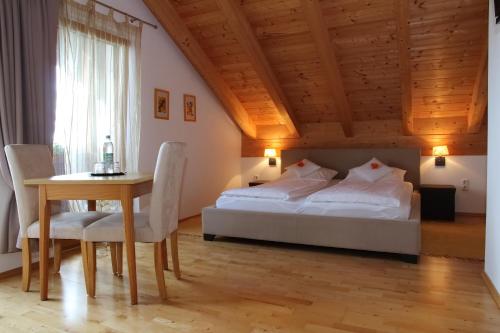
<point>364,73</point>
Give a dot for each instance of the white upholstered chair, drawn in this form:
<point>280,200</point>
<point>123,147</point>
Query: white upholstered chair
<point>35,161</point>
<point>153,227</point>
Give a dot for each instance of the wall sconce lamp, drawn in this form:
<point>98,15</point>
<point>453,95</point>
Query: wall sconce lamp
<point>271,153</point>
<point>440,152</point>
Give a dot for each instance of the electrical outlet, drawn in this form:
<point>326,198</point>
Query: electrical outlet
<point>465,184</point>
<point>255,177</point>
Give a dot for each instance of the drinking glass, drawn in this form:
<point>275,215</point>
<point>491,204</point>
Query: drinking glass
<point>116,167</point>
<point>99,167</point>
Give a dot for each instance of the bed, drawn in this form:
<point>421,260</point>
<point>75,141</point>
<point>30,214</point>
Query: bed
<point>281,196</point>
<point>311,225</point>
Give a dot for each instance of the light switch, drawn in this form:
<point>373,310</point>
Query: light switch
<point>465,184</point>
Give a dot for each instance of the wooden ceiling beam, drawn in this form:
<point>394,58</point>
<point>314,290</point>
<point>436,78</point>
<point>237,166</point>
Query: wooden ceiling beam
<point>328,58</point>
<point>479,100</point>
<point>402,9</point>
<point>166,14</point>
<point>245,35</point>
<point>369,134</point>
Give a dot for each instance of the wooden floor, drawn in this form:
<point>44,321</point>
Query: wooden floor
<point>230,286</point>
<point>463,238</point>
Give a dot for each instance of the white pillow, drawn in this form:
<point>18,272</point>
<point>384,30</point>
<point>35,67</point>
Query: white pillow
<point>303,168</point>
<point>396,175</point>
<point>289,174</point>
<point>372,170</point>
<point>351,175</point>
<point>322,174</point>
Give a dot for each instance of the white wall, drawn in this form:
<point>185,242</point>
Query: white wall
<point>258,168</point>
<point>214,142</point>
<point>457,168</point>
<point>492,256</point>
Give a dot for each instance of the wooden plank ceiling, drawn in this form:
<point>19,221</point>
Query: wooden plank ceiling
<point>341,72</point>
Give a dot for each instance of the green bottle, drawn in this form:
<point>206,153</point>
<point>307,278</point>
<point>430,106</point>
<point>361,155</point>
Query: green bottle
<point>107,151</point>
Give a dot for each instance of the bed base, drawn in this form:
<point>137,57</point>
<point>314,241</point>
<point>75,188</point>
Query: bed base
<point>408,258</point>
<point>208,237</point>
<point>379,235</point>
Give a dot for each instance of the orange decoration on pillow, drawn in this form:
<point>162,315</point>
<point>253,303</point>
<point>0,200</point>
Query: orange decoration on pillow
<point>375,166</point>
<point>300,164</point>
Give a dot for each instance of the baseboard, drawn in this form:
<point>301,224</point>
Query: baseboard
<point>189,217</point>
<point>471,214</point>
<point>491,288</point>
<point>9,261</point>
<point>12,272</point>
<point>69,246</point>
<point>19,270</point>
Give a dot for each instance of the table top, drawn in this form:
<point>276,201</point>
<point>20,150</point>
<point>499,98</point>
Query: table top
<point>86,178</point>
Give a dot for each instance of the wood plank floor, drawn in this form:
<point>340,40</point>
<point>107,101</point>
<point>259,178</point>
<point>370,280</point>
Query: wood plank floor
<point>230,286</point>
<point>463,238</point>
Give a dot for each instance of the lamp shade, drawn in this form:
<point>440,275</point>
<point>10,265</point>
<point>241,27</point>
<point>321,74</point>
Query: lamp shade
<point>440,151</point>
<point>269,152</point>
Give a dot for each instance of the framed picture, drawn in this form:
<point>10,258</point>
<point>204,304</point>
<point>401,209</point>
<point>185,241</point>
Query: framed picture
<point>162,104</point>
<point>497,11</point>
<point>189,107</point>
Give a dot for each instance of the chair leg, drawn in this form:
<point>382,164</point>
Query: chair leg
<point>26,254</point>
<point>91,254</point>
<point>85,262</point>
<point>94,247</point>
<point>160,279</point>
<point>119,258</point>
<point>57,255</point>
<point>112,246</point>
<point>175,254</point>
<point>165,254</point>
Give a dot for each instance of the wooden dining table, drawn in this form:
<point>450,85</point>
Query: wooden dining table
<point>83,186</point>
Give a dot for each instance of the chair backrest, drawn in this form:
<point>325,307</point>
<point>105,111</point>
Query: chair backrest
<point>25,162</point>
<point>167,182</point>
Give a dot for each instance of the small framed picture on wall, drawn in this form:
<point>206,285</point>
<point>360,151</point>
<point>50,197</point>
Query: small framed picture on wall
<point>497,11</point>
<point>162,104</point>
<point>189,107</point>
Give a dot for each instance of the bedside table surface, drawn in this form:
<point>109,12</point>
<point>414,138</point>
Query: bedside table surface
<point>437,186</point>
<point>257,182</point>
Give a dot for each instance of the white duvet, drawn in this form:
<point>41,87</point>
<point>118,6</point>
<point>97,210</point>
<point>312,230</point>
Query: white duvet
<point>281,189</point>
<point>382,193</point>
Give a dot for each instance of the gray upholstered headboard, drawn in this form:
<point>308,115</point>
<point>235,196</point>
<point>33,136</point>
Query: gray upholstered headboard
<point>344,159</point>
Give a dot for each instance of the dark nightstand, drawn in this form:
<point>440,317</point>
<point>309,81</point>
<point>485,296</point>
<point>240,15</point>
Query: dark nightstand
<point>257,182</point>
<point>438,202</point>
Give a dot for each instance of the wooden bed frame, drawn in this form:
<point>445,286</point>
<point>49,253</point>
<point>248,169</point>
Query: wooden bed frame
<point>381,235</point>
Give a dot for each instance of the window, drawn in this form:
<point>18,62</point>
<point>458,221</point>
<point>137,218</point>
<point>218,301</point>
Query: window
<point>98,90</point>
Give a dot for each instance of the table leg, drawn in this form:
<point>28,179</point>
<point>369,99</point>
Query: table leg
<point>44,220</point>
<point>91,205</point>
<point>128,221</point>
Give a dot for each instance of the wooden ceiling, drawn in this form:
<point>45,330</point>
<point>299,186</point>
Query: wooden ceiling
<point>340,72</point>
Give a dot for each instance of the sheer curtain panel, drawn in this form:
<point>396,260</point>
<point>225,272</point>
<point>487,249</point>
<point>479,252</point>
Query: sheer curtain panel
<point>98,87</point>
<point>28,35</point>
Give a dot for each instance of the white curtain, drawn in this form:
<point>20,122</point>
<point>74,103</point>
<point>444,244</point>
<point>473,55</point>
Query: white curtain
<point>98,90</point>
